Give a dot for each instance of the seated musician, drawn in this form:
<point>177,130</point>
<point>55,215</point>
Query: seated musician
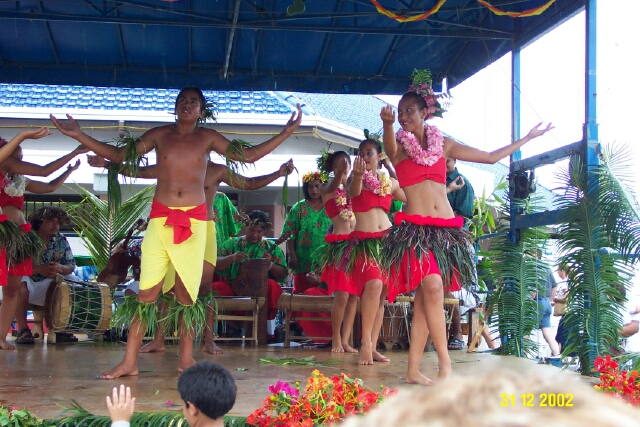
<point>236,250</point>
<point>56,259</point>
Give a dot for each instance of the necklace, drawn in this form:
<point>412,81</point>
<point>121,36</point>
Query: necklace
<point>435,143</point>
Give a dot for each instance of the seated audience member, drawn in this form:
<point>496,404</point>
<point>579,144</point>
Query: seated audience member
<point>57,259</point>
<point>207,389</point>
<point>496,400</point>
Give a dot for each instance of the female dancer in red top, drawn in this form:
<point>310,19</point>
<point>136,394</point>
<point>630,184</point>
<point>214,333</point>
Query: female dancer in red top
<point>12,191</point>
<point>371,191</point>
<point>337,206</point>
<point>427,248</point>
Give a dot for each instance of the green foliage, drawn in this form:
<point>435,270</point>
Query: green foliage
<point>132,162</point>
<point>209,114</point>
<point>17,418</point>
<point>517,273</point>
<point>100,228</point>
<point>600,213</point>
<point>483,221</point>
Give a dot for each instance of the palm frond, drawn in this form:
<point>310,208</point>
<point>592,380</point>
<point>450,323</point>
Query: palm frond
<point>598,215</point>
<point>100,228</point>
<point>517,273</point>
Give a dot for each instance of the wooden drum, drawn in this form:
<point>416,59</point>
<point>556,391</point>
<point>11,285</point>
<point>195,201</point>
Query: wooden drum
<point>78,307</point>
<point>395,329</point>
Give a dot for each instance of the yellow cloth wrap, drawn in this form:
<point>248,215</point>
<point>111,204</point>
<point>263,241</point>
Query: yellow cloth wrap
<point>159,253</point>
<point>210,256</point>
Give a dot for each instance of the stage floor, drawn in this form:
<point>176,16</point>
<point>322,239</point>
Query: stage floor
<point>40,377</point>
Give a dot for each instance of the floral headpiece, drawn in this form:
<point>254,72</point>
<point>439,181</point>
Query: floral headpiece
<point>312,176</point>
<point>322,160</point>
<point>422,80</point>
<point>243,218</point>
<point>373,136</point>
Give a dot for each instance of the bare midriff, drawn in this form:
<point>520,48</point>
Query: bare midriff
<point>373,220</point>
<point>14,214</point>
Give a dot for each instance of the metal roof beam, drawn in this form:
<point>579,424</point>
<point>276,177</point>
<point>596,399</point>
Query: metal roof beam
<point>463,47</point>
<point>205,23</point>
<point>392,48</point>
<point>123,55</point>
<point>256,53</point>
<point>93,6</point>
<point>49,35</point>
<point>328,39</point>
<point>230,36</point>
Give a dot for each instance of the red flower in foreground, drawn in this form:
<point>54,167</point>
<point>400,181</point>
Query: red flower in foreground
<point>324,401</point>
<point>621,384</point>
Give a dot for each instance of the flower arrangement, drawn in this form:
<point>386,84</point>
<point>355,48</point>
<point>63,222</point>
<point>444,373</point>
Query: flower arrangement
<point>343,202</point>
<point>317,175</point>
<point>325,400</point>
<point>422,80</point>
<point>435,144</point>
<point>378,183</point>
<point>322,160</point>
<point>618,383</point>
<point>17,417</point>
<point>14,186</point>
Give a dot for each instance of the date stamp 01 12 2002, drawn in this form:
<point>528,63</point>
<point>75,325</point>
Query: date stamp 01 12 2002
<point>541,400</point>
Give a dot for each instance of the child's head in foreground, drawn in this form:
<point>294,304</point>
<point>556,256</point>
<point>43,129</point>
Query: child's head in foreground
<point>207,389</point>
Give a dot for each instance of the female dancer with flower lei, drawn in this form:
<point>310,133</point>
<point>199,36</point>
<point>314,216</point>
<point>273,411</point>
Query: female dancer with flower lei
<point>337,206</point>
<point>12,189</point>
<point>427,249</point>
<point>371,191</point>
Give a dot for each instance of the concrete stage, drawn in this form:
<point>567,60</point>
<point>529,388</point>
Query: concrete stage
<point>40,377</point>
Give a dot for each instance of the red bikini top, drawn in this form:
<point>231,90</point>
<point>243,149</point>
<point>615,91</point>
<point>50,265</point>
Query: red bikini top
<point>6,200</point>
<point>367,201</point>
<point>331,208</point>
<point>410,173</point>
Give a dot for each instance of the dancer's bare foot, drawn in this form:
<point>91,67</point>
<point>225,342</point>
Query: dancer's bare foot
<point>378,357</point>
<point>366,355</point>
<point>418,378</point>
<point>212,347</point>
<point>185,364</point>
<point>121,370</point>
<point>444,370</point>
<point>337,348</point>
<point>348,349</point>
<point>4,345</point>
<point>153,347</point>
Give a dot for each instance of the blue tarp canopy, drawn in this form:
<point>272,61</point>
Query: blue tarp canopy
<point>334,46</point>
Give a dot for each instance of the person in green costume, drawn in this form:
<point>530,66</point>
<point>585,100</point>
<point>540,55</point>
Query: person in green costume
<point>308,223</point>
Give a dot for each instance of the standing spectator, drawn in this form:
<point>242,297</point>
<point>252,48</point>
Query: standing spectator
<point>460,196</point>
<point>548,289</point>
<point>56,259</point>
<point>308,223</point>
<point>225,214</point>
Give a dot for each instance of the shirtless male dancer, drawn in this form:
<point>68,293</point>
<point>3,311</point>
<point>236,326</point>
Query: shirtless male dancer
<point>215,175</point>
<point>182,150</point>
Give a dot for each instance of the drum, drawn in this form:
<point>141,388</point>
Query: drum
<point>252,278</point>
<point>78,307</point>
<point>395,325</point>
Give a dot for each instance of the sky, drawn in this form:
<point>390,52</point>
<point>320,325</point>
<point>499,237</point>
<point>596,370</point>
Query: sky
<point>552,79</point>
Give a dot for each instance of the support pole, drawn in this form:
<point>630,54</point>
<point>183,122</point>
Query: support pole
<point>515,133</point>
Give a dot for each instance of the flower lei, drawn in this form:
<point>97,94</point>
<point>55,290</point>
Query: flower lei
<point>14,186</point>
<point>412,147</point>
<point>380,183</point>
<point>343,202</point>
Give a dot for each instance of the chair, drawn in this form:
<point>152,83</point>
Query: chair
<point>292,303</point>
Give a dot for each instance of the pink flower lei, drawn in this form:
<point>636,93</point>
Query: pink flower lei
<point>378,183</point>
<point>435,144</point>
<point>343,202</point>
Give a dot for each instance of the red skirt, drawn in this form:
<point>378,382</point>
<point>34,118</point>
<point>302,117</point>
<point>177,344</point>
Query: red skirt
<point>367,266</point>
<point>408,272</point>
<point>336,279</point>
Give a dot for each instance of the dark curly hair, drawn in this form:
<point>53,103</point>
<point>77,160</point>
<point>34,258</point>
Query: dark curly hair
<point>49,212</point>
<point>415,97</point>
<point>203,101</point>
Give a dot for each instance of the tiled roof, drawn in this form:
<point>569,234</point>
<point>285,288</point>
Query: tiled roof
<point>111,98</point>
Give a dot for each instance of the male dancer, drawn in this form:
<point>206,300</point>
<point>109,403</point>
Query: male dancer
<point>182,150</point>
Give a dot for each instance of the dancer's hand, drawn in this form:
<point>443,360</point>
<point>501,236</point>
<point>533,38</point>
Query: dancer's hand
<point>74,167</point>
<point>388,115</point>
<point>96,161</point>
<point>69,128</point>
<point>341,167</point>
<point>121,408</point>
<point>35,134</point>
<point>286,168</point>
<point>359,167</point>
<point>294,121</point>
<point>536,132</point>
<point>456,185</point>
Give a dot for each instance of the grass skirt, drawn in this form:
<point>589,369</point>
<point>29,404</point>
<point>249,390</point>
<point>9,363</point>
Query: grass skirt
<point>418,246</point>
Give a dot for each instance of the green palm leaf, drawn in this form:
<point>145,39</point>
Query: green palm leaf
<point>599,213</point>
<point>100,228</point>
